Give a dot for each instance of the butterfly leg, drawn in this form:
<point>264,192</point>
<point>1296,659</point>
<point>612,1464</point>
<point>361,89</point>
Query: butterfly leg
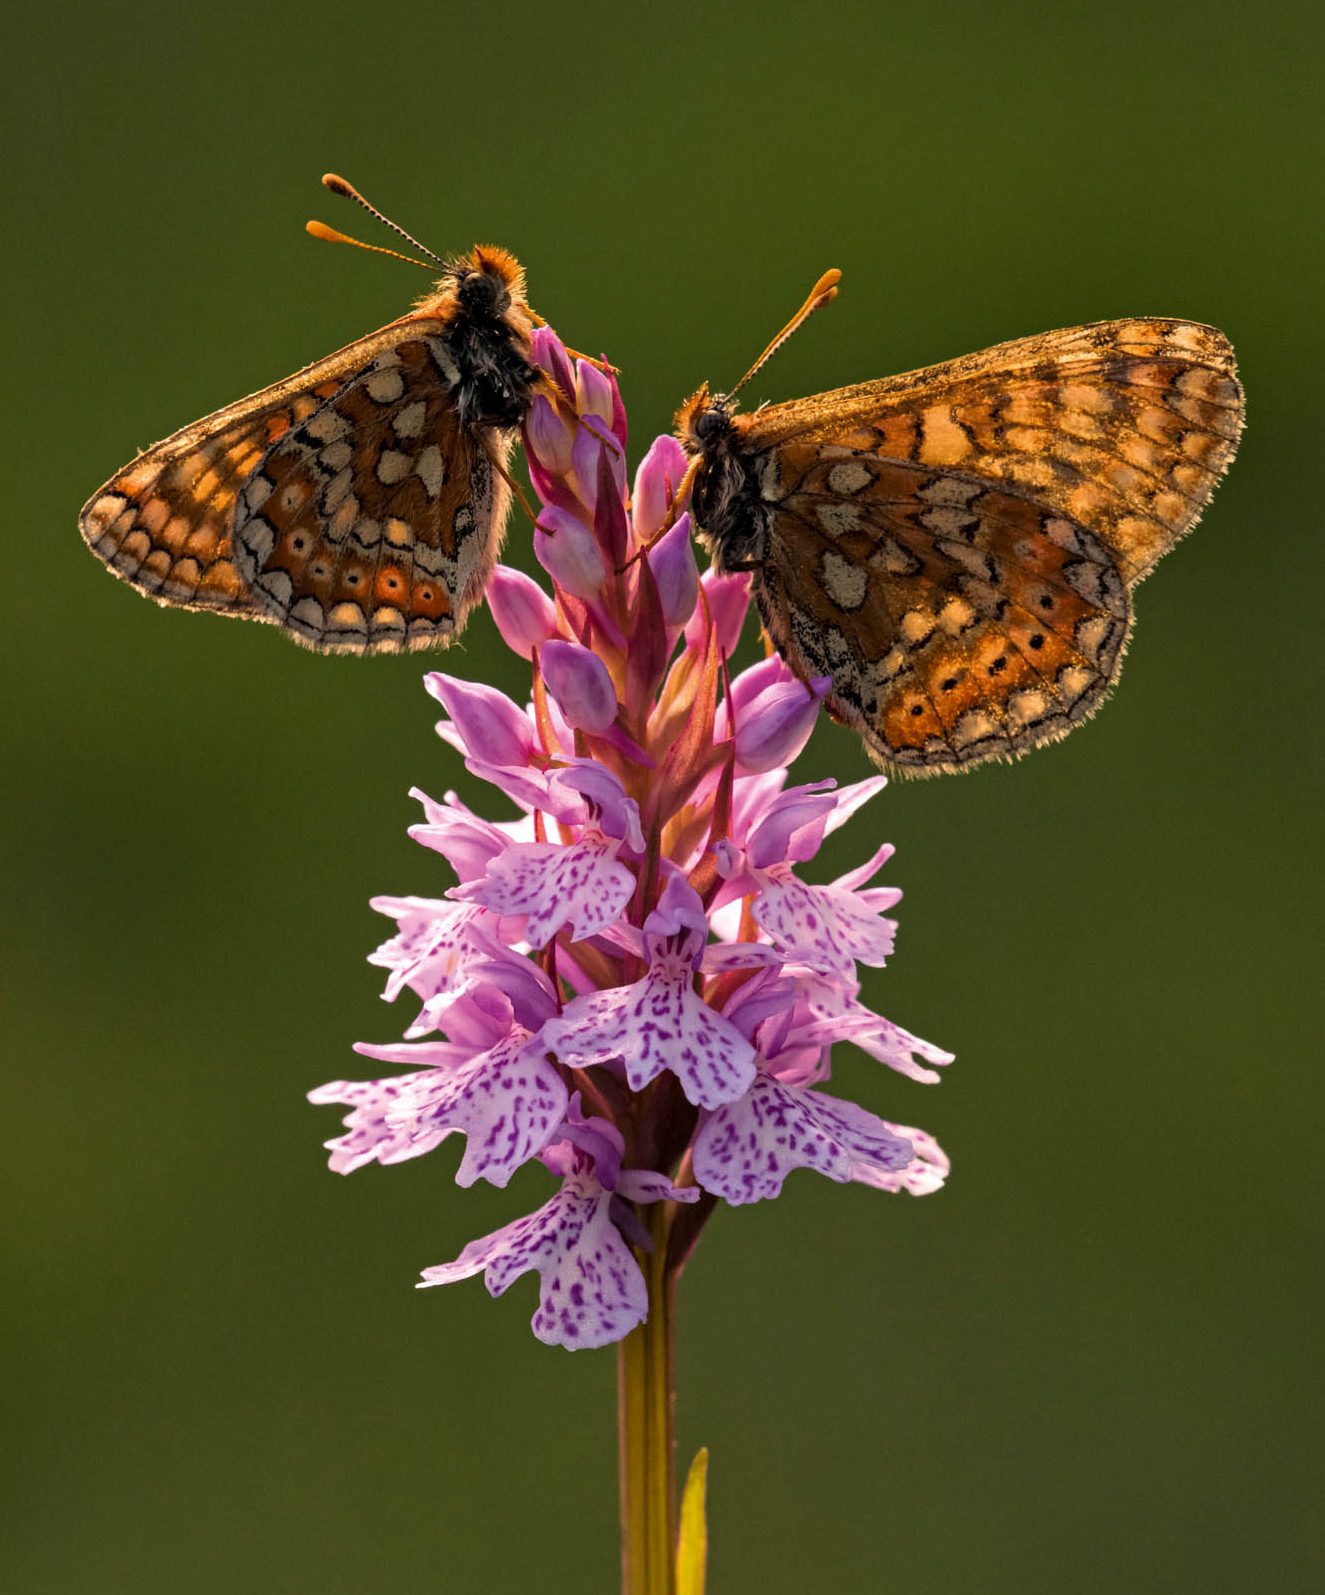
<point>680,499</point>
<point>522,498</point>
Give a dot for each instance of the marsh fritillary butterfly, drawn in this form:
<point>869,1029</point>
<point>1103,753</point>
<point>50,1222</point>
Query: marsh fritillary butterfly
<point>361,503</point>
<point>957,547</point>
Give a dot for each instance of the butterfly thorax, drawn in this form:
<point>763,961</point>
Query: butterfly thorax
<point>728,505</point>
<point>481,300</point>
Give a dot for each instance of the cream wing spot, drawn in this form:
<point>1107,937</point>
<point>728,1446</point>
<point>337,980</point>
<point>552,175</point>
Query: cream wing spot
<point>845,583</point>
<point>385,386</point>
<point>849,476</point>
<point>393,466</point>
<point>431,470</point>
<point>408,421</point>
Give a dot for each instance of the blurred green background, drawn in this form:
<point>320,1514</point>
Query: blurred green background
<point>1092,1364</point>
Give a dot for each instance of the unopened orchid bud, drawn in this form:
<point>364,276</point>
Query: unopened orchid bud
<point>548,437</point>
<point>492,728</point>
<point>672,561</point>
<point>548,353</point>
<point>773,723</point>
<point>568,551</point>
<point>593,391</point>
<point>525,615</point>
<point>581,684</point>
<point>728,601</point>
<point>656,485</point>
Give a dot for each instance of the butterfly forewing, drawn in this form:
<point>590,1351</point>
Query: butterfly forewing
<point>959,620</point>
<point>1125,426</point>
<point>374,525</point>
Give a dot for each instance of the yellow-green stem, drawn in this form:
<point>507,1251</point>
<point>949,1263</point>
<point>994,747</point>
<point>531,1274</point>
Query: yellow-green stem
<point>646,1435</point>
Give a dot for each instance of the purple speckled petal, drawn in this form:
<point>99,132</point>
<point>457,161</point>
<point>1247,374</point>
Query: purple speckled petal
<point>658,1023</point>
<point>434,941</point>
<point>744,1151</point>
<point>371,1139</point>
<point>645,1185</point>
<point>825,928</point>
<point>582,885</point>
<point>592,1291</point>
<point>925,1173</point>
<point>507,1101</point>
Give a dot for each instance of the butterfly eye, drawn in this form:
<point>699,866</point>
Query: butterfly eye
<point>710,424</point>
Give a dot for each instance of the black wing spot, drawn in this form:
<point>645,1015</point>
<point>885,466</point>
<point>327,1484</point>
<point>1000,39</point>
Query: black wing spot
<point>1037,641</point>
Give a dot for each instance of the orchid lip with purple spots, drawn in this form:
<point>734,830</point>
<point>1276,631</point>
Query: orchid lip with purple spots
<point>630,984</point>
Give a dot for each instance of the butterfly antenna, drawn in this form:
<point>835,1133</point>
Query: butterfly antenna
<point>338,185</point>
<point>822,292</point>
<point>329,235</point>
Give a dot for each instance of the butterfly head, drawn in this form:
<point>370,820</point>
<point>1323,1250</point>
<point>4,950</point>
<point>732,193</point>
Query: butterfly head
<point>487,283</point>
<point>704,421</point>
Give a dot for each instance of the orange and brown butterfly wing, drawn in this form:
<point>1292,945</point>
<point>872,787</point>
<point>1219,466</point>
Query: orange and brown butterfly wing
<point>374,525</point>
<point>960,620</point>
<point>1123,427</point>
<point>164,522</point>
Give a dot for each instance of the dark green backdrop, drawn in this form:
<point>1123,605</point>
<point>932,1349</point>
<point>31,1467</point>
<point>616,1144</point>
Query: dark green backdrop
<point>1090,1365</point>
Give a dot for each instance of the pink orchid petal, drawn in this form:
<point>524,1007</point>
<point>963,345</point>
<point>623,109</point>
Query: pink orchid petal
<point>821,926</point>
<point>581,885</point>
<point>854,879</point>
<point>508,1101</point>
<point>925,1173</point>
<point>854,797</point>
<point>591,1290</point>
<point>744,1151</point>
<point>643,1185</point>
<point>658,1023</point>
<point>371,1139</point>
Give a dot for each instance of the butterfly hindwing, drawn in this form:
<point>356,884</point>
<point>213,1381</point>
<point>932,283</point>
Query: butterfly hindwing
<point>959,620</point>
<point>373,525</point>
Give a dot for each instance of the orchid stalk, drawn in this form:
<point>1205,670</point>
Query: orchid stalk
<point>631,982</point>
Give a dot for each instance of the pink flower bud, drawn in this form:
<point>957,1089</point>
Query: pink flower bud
<point>492,728</point>
<point>588,450</point>
<point>728,600</point>
<point>580,683</point>
<point>774,713</point>
<point>656,482</point>
<point>568,551</point>
<point>548,437</point>
<point>672,561</point>
<point>549,353</point>
<point>593,392</point>
<point>525,615</point>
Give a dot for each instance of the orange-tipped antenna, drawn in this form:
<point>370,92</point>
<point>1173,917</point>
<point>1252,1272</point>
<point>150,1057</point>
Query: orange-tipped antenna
<point>329,235</point>
<point>338,185</point>
<point>822,292</point>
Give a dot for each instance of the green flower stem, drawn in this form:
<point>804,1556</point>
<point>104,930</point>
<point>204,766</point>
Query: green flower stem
<point>646,1398</point>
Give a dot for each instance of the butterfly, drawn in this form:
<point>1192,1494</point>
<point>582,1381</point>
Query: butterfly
<point>956,547</point>
<point>360,504</point>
